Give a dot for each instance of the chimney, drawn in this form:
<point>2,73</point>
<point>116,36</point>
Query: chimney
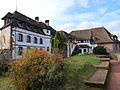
<point>37,19</point>
<point>47,22</point>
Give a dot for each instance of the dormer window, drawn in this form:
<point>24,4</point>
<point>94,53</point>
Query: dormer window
<point>7,21</point>
<point>20,24</point>
<point>115,37</point>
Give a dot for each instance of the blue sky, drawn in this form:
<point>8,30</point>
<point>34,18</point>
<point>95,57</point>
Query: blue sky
<point>69,15</point>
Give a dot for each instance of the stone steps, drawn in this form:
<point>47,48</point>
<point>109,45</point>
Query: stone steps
<point>103,65</point>
<point>98,79</point>
<point>104,59</point>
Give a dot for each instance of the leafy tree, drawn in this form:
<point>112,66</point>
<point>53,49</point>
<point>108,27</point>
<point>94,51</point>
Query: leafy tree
<point>58,41</point>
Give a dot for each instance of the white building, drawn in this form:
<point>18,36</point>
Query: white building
<point>19,33</point>
<point>89,38</point>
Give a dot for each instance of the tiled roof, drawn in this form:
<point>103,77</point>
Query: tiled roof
<point>34,25</point>
<point>66,35</point>
<point>96,35</point>
<point>81,34</point>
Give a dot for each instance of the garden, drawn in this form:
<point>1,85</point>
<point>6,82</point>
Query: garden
<point>69,74</point>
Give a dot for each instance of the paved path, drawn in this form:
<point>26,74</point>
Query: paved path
<point>114,76</point>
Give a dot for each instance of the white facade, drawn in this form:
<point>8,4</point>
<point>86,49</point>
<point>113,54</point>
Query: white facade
<point>71,47</point>
<point>6,40</point>
<point>25,45</point>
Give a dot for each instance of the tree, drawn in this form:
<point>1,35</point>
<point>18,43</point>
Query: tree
<point>58,41</point>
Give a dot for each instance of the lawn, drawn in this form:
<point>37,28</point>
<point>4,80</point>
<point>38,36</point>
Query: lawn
<point>77,70</point>
<point>5,84</point>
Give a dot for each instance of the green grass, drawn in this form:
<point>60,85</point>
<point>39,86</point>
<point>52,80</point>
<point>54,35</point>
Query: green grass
<point>5,84</point>
<point>78,69</point>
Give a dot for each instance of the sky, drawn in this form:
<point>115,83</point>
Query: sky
<point>69,15</point>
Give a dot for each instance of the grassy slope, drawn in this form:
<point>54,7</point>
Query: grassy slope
<point>5,84</point>
<point>78,69</point>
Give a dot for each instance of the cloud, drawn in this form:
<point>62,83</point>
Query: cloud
<point>83,3</point>
<point>66,27</point>
<point>114,27</point>
<point>111,16</point>
<point>102,10</point>
<point>87,24</point>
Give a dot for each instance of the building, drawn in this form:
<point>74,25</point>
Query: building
<point>89,38</point>
<point>70,43</point>
<point>20,33</point>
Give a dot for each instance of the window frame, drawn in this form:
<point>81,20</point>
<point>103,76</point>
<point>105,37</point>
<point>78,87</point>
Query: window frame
<point>48,49</point>
<point>41,41</point>
<point>20,51</point>
<point>35,40</point>
<point>20,37</point>
<point>28,39</point>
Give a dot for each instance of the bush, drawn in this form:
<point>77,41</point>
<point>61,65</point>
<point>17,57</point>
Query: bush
<point>99,50</point>
<point>37,71</point>
<point>3,68</point>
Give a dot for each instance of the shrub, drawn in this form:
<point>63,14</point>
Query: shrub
<point>3,68</point>
<point>37,71</point>
<point>99,50</point>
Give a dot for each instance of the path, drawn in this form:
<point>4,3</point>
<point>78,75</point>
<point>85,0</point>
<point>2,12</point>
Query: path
<point>114,76</point>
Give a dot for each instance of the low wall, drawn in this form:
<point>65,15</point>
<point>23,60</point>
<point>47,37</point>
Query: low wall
<point>115,56</point>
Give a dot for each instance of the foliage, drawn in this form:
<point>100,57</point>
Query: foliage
<point>58,41</point>
<point>37,71</point>
<point>3,68</point>
<point>5,84</point>
<point>61,53</point>
<point>99,50</point>
<point>3,54</point>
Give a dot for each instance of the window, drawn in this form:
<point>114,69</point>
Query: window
<point>47,48</point>
<point>80,51</point>
<point>84,50</point>
<point>82,41</point>
<point>20,24</point>
<point>35,39</point>
<point>20,51</point>
<point>41,41</point>
<point>28,39</point>
<point>47,31</point>
<point>20,37</point>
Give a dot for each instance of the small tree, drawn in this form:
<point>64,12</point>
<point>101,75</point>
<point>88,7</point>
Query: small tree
<point>58,41</point>
<point>37,71</point>
<point>99,50</point>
